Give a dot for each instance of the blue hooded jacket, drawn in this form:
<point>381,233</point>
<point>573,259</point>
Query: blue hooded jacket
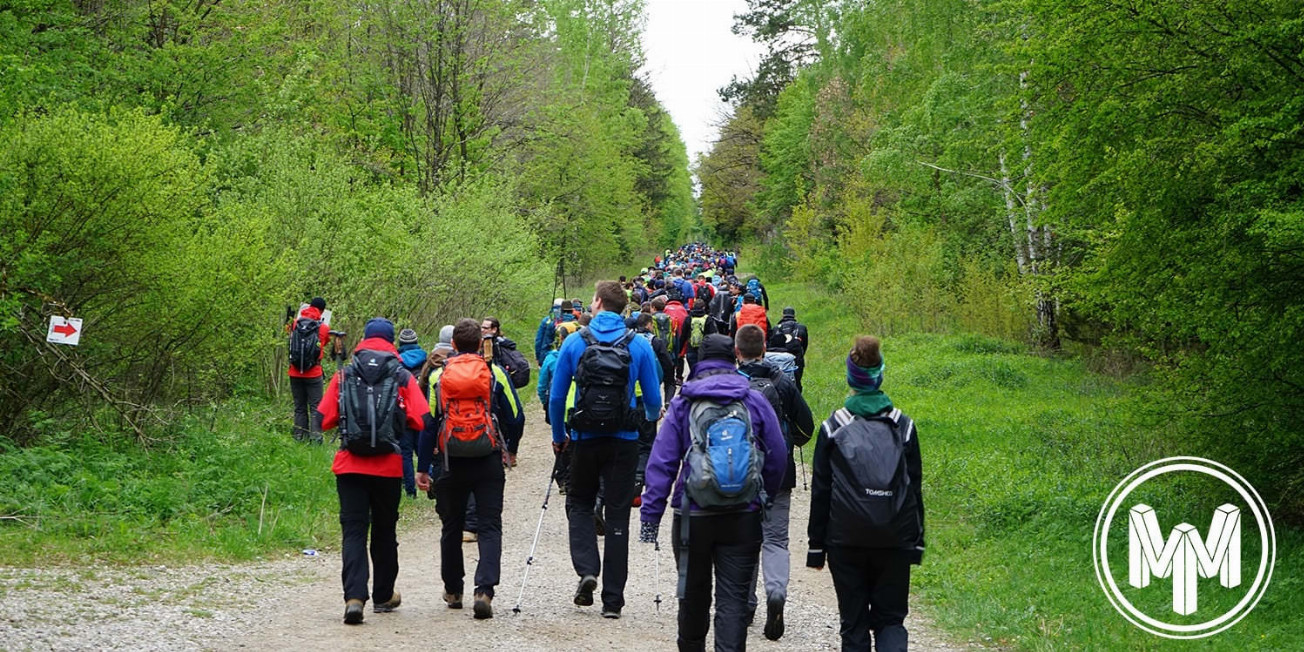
<point>412,356</point>
<point>715,380</point>
<point>606,326</point>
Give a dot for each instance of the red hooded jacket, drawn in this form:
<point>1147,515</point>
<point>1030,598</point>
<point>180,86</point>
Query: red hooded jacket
<point>324,333</point>
<point>410,399</point>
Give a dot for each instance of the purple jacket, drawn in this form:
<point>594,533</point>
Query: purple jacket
<point>716,380</point>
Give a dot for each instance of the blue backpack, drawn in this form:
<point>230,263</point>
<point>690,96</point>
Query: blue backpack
<point>724,461</point>
<point>754,289</point>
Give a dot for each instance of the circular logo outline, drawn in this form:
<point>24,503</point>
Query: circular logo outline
<point>1267,536</point>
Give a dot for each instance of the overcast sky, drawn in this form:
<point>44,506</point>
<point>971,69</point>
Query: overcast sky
<point>691,52</point>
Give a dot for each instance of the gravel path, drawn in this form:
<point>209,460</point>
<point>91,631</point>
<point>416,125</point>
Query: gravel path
<point>296,603</point>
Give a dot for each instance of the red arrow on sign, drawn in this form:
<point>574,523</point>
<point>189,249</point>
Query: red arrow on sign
<point>65,330</point>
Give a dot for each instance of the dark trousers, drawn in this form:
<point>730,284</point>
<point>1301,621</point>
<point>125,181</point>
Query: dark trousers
<point>407,446</point>
<point>307,420</point>
<point>692,359</point>
<point>483,478</point>
<point>647,435</point>
<point>368,502</point>
<point>801,368</point>
<point>679,369</point>
<point>607,463</point>
<point>873,587</point>
<point>727,546</point>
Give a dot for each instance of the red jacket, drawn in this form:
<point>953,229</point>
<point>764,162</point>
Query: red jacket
<point>324,333</point>
<point>752,313</point>
<point>409,399</point>
<point>678,316</point>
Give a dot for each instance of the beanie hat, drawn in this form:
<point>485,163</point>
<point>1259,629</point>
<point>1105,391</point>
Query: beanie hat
<point>407,336</point>
<point>789,311</point>
<point>716,347</point>
<point>445,339</point>
<point>318,303</point>
<point>379,327</point>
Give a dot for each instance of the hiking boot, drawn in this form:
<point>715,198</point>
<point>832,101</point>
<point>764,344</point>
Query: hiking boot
<point>353,612</point>
<point>611,612</point>
<point>469,537</point>
<point>453,600</point>
<point>483,606</point>
<point>584,594</point>
<point>774,619</point>
<point>388,605</point>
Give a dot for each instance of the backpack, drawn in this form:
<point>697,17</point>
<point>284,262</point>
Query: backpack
<point>873,502</point>
<point>724,462</point>
<point>602,386</point>
<point>696,331</point>
<point>514,363</point>
<point>766,386</point>
<point>305,344</point>
<point>371,421</point>
<point>754,289</point>
<point>752,313</point>
<point>664,328</point>
<point>464,396</point>
<point>785,362</point>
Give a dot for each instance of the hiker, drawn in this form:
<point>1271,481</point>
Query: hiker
<point>561,471</point>
<point>867,471</point>
<point>309,336</point>
<point>754,288</point>
<point>686,293</point>
<point>506,356</point>
<point>547,332</point>
<point>721,309</point>
<point>798,425</point>
<point>413,359</point>
<point>678,339</point>
<point>716,528</point>
<point>368,469</point>
<point>647,428</point>
<point>795,339</point>
<point>605,361</point>
<point>699,326</point>
<point>751,313</point>
<point>476,416</point>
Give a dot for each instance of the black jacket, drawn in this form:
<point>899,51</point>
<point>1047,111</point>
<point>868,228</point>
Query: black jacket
<point>824,531</point>
<point>798,330</point>
<point>796,420</point>
<point>665,361</point>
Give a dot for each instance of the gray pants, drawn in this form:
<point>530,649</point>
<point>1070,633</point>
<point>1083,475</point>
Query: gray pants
<point>307,420</point>
<point>774,551</point>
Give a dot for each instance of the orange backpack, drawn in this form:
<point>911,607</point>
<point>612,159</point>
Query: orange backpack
<point>752,313</point>
<point>464,394</point>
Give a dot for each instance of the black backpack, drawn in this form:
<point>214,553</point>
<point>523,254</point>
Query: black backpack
<point>873,504</point>
<point>602,386</point>
<point>371,421</point>
<point>514,362</point>
<point>766,386</point>
<point>305,344</point>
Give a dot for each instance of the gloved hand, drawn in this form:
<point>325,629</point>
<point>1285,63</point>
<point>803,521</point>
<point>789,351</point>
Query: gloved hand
<point>647,532</point>
<point>815,559</point>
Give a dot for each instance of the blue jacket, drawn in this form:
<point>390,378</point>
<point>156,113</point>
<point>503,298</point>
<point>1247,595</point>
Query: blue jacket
<point>546,334</point>
<point>714,380</point>
<point>606,326</point>
<point>546,370</point>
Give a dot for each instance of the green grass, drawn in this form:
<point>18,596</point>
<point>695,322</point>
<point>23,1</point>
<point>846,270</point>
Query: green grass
<point>1020,451</point>
<point>231,485</point>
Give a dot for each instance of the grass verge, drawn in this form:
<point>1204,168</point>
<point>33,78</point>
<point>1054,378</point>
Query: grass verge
<point>1020,452</point>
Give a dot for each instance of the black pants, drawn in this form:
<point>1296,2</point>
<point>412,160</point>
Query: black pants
<point>727,546</point>
<point>307,420</point>
<point>647,435</point>
<point>609,463</point>
<point>679,369</point>
<point>482,477</point>
<point>368,502</point>
<point>801,368</point>
<point>873,587</point>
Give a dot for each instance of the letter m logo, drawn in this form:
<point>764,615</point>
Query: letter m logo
<point>1184,553</point>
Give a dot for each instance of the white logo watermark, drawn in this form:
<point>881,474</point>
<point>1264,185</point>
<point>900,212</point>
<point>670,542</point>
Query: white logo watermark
<point>1184,555</point>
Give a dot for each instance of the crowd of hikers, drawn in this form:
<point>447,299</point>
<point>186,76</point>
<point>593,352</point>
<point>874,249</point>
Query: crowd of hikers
<point>673,391</point>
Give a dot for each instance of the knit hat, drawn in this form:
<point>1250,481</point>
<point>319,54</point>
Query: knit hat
<point>379,327</point>
<point>789,311</point>
<point>318,303</point>
<point>407,336</point>
<point>716,347</point>
<point>445,339</point>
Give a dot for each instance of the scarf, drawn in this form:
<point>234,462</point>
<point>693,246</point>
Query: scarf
<point>866,398</point>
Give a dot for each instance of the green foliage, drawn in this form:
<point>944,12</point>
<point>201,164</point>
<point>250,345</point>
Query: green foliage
<point>231,485</point>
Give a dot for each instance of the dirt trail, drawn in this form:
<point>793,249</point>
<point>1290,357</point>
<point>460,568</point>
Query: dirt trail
<point>296,604</point>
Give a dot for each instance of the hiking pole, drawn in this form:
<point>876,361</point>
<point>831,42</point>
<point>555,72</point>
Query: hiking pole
<point>529,560</point>
<point>801,455</point>
<point>656,555</point>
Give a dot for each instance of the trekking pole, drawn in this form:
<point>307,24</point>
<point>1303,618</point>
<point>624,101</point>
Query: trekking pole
<point>656,555</point>
<point>801,455</point>
<point>529,560</point>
